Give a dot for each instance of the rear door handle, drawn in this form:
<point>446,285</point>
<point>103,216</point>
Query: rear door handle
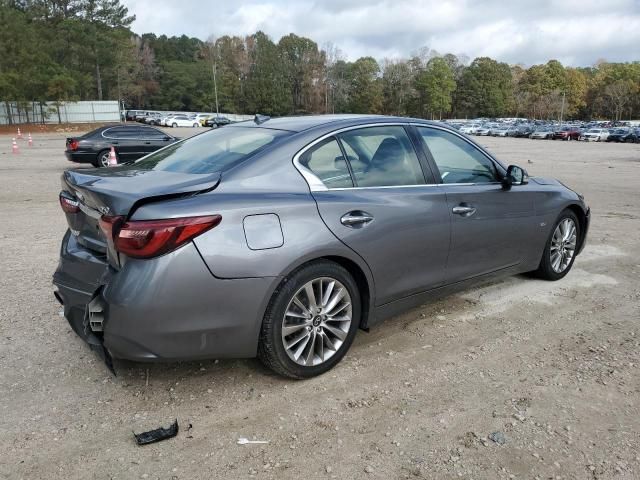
<point>147,143</point>
<point>464,210</point>
<point>356,219</point>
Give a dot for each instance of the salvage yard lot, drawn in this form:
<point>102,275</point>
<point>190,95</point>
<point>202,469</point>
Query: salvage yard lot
<point>552,367</point>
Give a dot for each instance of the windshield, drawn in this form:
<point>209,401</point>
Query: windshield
<point>212,151</point>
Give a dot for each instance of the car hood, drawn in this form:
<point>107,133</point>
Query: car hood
<point>545,181</point>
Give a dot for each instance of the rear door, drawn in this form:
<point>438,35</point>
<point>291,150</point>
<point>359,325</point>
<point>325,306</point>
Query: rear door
<point>490,227</point>
<point>383,204</point>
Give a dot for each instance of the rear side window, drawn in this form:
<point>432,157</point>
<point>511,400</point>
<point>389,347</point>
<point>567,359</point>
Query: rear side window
<point>457,160</point>
<point>123,132</point>
<point>326,161</point>
<point>382,156</point>
<point>212,151</point>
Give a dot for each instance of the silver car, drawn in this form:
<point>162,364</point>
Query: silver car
<point>280,238</point>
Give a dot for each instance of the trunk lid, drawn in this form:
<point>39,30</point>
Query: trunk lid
<point>120,191</point>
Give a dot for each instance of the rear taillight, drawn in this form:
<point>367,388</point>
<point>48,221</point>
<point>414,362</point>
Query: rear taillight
<point>73,144</point>
<point>151,238</point>
<point>69,205</point>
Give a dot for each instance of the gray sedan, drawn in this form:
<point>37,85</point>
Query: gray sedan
<point>280,238</point>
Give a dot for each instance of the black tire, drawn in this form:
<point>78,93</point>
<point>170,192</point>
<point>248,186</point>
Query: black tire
<point>174,125</point>
<point>545,270</point>
<point>271,350</point>
<point>97,162</point>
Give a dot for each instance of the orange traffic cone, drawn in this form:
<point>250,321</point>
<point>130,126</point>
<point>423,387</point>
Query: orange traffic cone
<point>30,140</point>
<point>14,147</point>
<point>113,161</point>
<point>19,133</point>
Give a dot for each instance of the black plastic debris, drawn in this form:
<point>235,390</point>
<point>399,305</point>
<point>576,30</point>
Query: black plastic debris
<point>157,435</point>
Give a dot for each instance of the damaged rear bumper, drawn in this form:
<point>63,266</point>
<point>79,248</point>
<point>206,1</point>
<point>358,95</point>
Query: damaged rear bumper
<point>167,308</point>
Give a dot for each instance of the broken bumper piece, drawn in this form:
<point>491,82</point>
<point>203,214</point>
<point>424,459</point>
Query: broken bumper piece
<point>157,435</point>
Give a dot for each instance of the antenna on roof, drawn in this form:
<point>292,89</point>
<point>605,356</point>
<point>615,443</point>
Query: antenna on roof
<point>259,119</point>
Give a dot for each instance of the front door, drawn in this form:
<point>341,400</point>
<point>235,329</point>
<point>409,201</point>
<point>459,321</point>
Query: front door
<point>490,227</point>
<point>381,204</point>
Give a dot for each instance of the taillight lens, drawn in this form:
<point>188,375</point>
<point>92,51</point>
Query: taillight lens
<point>73,144</point>
<point>69,205</point>
<point>151,238</point>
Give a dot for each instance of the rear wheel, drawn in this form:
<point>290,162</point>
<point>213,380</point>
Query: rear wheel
<point>174,125</point>
<point>311,321</point>
<point>102,159</point>
<point>560,249</point>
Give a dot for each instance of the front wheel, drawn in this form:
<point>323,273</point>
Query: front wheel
<point>560,249</point>
<point>311,321</point>
<point>174,125</point>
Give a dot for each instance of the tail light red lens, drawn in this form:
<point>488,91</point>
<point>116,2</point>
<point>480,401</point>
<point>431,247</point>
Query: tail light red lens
<point>73,144</point>
<point>69,205</point>
<point>151,238</point>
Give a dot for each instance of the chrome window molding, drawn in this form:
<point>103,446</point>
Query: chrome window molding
<point>317,185</point>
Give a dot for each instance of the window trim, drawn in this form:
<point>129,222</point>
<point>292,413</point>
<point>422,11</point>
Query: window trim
<point>317,185</point>
<point>436,171</point>
<point>133,127</point>
<point>342,152</point>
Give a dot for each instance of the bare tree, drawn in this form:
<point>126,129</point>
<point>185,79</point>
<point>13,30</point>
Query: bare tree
<point>619,94</point>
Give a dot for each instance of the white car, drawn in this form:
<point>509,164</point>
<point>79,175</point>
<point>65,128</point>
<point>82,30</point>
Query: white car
<point>182,121</point>
<point>470,129</point>
<point>483,131</point>
<point>595,135</point>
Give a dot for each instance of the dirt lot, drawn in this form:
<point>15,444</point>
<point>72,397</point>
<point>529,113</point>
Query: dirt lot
<point>553,368</point>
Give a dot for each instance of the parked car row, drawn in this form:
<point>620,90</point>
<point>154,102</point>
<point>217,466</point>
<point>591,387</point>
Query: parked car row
<point>177,119</point>
<point>549,131</point>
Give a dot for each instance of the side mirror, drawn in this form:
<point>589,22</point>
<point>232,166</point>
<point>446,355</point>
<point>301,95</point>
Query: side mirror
<point>166,138</point>
<point>515,176</point>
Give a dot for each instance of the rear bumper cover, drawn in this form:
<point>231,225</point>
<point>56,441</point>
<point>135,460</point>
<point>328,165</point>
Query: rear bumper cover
<point>80,157</point>
<point>168,308</point>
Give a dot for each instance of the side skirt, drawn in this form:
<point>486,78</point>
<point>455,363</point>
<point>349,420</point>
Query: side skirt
<point>399,306</point>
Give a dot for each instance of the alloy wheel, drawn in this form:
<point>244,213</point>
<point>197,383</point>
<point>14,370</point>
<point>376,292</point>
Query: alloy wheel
<point>563,245</point>
<point>316,321</point>
<point>104,159</point>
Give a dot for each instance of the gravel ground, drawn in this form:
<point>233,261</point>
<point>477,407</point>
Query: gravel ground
<point>516,379</point>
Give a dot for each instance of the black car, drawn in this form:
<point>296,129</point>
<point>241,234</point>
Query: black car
<point>523,131</point>
<point>130,142</point>
<point>215,122</point>
<point>622,135</point>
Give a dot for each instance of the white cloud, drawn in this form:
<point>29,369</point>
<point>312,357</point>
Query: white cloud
<point>576,32</point>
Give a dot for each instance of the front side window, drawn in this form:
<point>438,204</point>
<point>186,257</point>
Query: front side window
<point>326,161</point>
<point>382,156</point>
<point>153,134</point>
<point>457,160</point>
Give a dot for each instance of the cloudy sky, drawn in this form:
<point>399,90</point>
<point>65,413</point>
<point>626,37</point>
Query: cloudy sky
<point>576,32</point>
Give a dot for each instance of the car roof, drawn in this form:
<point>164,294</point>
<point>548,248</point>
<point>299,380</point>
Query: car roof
<point>306,122</point>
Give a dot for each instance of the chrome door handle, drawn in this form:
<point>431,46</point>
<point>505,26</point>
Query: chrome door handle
<point>464,210</point>
<point>353,219</point>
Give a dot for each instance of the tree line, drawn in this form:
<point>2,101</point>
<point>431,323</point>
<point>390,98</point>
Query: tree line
<point>66,50</point>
